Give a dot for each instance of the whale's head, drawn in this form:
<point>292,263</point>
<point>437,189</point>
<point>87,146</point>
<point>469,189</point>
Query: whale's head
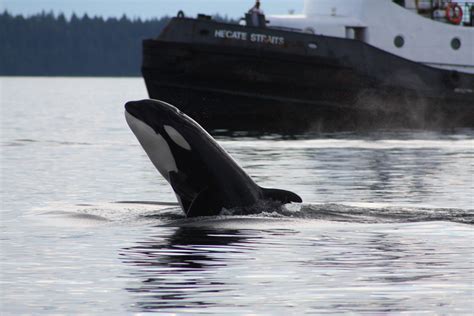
<point>173,142</point>
<point>162,130</point>
<point>161,117</point>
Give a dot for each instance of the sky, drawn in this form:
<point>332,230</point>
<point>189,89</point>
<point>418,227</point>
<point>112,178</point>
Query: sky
<point>147,8</point>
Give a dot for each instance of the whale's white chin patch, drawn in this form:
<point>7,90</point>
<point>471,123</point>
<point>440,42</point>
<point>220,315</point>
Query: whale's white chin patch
<point>177,137</point>
<point>154,144</point>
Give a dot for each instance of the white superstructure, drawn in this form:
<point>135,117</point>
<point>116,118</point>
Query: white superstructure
<point>390,27</point>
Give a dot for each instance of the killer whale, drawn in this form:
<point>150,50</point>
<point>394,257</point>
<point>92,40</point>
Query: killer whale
<point>203,176</point>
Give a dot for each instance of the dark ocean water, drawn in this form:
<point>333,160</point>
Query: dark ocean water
<point>385,227</point>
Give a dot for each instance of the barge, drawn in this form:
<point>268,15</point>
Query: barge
<point>341,65</point>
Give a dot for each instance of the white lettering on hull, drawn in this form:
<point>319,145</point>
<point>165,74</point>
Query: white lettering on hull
<point>252,37</point>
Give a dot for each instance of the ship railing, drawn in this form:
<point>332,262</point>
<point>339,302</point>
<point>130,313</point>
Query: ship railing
<point>436,10</point>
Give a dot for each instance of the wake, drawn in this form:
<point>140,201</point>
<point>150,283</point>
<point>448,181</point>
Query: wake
<point>169,213</point>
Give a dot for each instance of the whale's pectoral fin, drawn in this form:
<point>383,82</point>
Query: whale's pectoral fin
<point>206,203</point>
<point>194,202</point>
<point>181,187</point>
<point>282,196</point>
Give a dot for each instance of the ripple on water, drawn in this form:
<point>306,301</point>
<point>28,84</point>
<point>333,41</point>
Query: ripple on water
<point>322,267</point>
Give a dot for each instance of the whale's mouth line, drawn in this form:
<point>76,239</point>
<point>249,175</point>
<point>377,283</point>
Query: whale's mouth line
<point>129,114</point>
<point>162,117</point>
<point>165,112</point>
<point>130,117</point>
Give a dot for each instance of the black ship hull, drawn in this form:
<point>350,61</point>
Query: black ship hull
<point>291,81</point>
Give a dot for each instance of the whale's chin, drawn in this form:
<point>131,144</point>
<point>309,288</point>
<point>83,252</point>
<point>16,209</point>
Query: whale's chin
<point>154,145</point>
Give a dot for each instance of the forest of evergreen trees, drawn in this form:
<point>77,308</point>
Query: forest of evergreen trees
<point>52,45</point>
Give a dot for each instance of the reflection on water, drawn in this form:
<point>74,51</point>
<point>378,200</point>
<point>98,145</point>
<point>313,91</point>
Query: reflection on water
<point>299,269</point>
<point>394,167</point>
<point>176,272</point>
<point>403,170</point>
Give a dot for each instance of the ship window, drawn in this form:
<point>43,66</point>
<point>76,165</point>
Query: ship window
<point>456,43</point>
<point>399,41</point>
<point>313,45</point>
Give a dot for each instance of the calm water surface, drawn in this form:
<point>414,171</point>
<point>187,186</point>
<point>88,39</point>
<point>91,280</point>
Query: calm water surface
<point>386,227</point>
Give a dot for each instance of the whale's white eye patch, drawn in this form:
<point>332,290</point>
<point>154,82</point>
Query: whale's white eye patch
<point>177,137</point>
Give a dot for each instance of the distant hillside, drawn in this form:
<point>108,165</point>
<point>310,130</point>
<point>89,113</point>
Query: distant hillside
<point>49,45</point>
